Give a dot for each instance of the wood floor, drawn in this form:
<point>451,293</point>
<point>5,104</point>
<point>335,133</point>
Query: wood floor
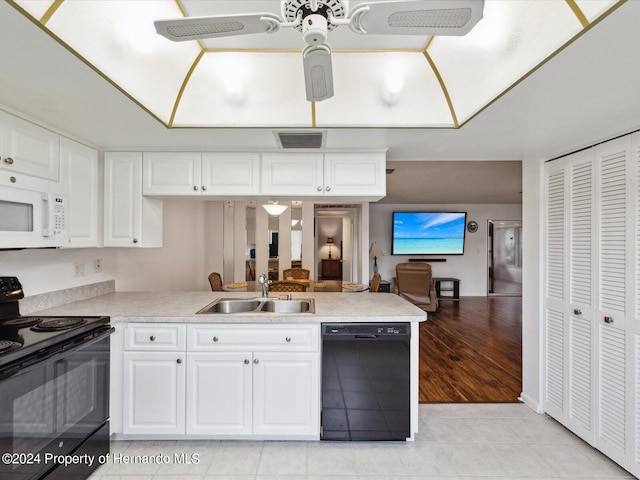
<point>471,351</point>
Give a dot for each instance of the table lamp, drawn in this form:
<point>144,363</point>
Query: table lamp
<point>329,242</point>
<point>375,251</point>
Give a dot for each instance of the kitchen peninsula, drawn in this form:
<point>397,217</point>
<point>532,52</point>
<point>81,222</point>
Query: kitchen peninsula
<point>176,374</point>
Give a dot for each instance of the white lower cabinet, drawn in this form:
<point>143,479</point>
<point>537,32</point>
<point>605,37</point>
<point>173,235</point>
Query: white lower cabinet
<point>231,381</point>
<point>154,385</point>
<point>219,389</point>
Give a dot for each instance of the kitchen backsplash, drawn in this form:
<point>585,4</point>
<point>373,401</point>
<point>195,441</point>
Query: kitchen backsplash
<point>43,301</point>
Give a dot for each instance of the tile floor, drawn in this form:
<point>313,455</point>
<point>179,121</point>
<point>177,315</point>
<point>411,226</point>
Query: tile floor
<point>456,441</point>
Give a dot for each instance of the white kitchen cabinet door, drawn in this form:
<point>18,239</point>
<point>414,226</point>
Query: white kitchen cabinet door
<point>286,394</point>
<point>80,164</point>
<point>355,174</point>
<point>292,174</point>
<point>219,393</point>
<point>230,173</point>
<point>28,148</point>
<point>130,220</point>
<point>154,385</point>
<point>171,173</point>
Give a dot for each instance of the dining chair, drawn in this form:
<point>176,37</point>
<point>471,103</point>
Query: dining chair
<point>287,286</point>
<point>375,283</point>
<point>215,280</point>
<point>295,273</point>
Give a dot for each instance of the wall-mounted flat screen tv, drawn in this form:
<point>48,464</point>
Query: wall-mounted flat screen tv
<point>428,233</point>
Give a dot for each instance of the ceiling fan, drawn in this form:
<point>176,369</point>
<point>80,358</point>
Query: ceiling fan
<point>314,18</point>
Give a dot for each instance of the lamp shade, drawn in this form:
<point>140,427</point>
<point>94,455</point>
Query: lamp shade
<point>375,251</point>
<point>329,240</point>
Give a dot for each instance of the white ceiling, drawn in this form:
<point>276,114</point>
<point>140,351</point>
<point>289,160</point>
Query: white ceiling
<point>586,93</point>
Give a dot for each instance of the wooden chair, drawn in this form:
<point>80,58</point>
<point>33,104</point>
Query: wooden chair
<point>375,283</point>
<point>295,273</point>
<point>215,280</point>
<point>287,286</point>
<point>414,283</point>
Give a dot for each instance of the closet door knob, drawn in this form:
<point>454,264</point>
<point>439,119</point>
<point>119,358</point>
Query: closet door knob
<point>577,311</point>
<point>608,319</point>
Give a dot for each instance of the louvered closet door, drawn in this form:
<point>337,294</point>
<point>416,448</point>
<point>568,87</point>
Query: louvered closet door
<point>581,365</point>
<point>614,297</point>
<point>555,229</point>
<point>635,463</point>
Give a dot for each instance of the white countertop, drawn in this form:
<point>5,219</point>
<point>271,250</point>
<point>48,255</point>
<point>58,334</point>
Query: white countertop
<point>181,307</point>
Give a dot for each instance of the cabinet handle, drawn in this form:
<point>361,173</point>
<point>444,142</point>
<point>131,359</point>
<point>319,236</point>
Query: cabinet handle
<point>215,339</point>
<point>577,311</point>
<point>204,188</point>
<point>608,319</point>
<point>246,361</point>
<point>256,361</point>
<point>8,161</point>
<point>195,188</point>
<point>328,189</point>
<point>319,189</point>
<point>288,339</point>
<point>179,360</point>
<point>135,240</point>
<point>152,338</point>
<point>13,179</point>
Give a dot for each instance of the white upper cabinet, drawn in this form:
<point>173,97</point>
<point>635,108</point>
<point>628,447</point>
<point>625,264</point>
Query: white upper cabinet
<point>28,149</point>
<point>230,173</point>
<point>171,173</point>
<point>339,174</point>
<point>195,173</point>
<point>130,220</point>
<point>292,174</point>
<point>80,174</point>
<point>355,174</point>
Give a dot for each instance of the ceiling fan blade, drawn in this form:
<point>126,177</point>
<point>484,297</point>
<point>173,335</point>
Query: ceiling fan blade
<point>422,17</point>
<point>196,28</point>
<point>318,73</point>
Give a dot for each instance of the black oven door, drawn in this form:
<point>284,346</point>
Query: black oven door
<point>49,408</point>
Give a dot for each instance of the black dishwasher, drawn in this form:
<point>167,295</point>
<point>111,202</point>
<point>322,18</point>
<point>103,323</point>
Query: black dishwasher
<point>366,381</point>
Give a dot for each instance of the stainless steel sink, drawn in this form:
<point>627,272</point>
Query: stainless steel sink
<point>259,306</point>
<point>288,306</point>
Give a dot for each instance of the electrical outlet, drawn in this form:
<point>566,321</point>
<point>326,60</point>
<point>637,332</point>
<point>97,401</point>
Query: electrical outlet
<point>97,265</point>
<point>79,269</point>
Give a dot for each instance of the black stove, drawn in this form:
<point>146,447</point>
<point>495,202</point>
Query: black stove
<point>54,379</point>
<point>22,337</point>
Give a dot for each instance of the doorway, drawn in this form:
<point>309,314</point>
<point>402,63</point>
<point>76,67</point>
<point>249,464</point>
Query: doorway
<point>505,257</point>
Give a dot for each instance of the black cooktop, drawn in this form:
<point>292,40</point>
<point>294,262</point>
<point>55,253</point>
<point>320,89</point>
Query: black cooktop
<point>26,336</point>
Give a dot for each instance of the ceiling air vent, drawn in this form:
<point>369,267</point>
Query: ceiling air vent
<point>298,139</point>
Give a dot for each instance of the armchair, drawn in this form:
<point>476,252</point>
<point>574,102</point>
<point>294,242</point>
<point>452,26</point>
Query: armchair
<point>414,283</point>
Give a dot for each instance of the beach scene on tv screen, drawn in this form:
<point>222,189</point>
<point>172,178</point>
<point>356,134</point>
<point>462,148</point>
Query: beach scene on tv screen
<point>424,233</point>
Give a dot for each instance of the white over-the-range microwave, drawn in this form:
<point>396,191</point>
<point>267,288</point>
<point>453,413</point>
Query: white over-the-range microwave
<point>32,219</point>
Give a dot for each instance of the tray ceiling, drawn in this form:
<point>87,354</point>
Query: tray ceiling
<point>257,80</point>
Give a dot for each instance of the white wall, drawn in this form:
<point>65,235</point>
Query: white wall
<point>470,268</point>
<point>192,248</point>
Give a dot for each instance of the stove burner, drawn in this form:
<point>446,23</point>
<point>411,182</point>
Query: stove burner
<point>21,322</point>
<point>56,324</point>
<point>8,345</point>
